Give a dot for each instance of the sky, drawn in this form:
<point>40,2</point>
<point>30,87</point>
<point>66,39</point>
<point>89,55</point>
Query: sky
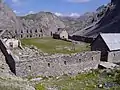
<point>59,7</point>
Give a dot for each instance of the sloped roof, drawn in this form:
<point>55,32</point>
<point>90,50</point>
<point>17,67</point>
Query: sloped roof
<point>112,40</point>
<point>60,30</point>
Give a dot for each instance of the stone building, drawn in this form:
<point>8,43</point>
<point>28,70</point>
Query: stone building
<point>109,45</point>
<point>61,34</point>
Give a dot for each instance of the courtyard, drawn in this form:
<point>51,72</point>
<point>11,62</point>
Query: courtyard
<point>52,46</point>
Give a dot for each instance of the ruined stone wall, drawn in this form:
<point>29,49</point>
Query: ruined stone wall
<point>29,33</point>
<point>114,57</point>
<point>9,56</point>
<point>56,65</point>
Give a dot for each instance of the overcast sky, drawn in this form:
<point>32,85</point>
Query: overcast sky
<point>59,7</point>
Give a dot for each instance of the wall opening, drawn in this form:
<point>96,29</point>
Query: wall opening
<point>30,35</point>
<point>27,31</point>
<point>30,31</point>
<point>41,31</point>
<point>11,44</point>
<point>29,68</point>
<point>15,31</point>
<point>48,64</point>
<point>65,62</point>
<point>114,54</point>
<point>21,36</point>
<point>80,60</point>
<point>27,36</point>
<point>92,58</point>
<point>51,34</point>
<point>36,31</point>
<point>21,31</point>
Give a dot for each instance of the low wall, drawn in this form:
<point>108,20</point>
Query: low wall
<point>56,36</point>
<point>56,65</point>
<point>81,38</point>
<point>114,57</point>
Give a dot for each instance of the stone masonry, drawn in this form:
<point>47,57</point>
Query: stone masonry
<point>55,65</point>
<point>30,62</point>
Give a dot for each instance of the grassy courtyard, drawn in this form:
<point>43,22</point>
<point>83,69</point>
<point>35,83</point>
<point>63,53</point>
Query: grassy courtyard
<point>49,45</point>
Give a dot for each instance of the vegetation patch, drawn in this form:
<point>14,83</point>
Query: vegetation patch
<point>93,80</point>
<point>40,87</point>
<point>52,46</point>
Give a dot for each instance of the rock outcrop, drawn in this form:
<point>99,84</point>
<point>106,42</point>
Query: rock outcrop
<point>8,20</point>
<point>108,24</point>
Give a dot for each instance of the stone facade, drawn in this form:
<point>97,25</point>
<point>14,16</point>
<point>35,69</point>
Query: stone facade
<point>61,34</point>
<point>29,33</point>
<point>64,35</point>
<point>114,56</point>
<point>56,65</point>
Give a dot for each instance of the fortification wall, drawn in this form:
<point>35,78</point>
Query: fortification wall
<point>56,65</point>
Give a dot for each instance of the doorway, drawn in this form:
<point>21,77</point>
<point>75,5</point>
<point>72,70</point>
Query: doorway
<point>104,56</point>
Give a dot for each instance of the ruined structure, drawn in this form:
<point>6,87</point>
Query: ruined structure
<point>56,65</point>
<point>26,62</point>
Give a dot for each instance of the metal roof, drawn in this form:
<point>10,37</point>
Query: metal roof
<point>112,40</point>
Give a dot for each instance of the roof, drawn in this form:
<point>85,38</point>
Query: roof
<point>60,30</point>
<point>112,40</point>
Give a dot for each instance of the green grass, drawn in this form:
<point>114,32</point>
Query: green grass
<point>52,46</point>
<point>40,87</point>
<point>86,81</point>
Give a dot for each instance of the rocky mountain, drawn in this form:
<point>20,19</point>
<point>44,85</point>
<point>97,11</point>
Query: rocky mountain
<point>8,20</point>
<point>110,23</point>
<point>85,20</point>
<point>105,19</point>
<point>79,23</point>
<point>46,22</point>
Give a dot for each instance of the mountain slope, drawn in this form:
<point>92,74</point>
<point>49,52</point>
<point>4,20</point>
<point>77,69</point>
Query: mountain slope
<point>110,23</point>
<point>79,23</point>
<point>8,20</point>
<point>45,21</point>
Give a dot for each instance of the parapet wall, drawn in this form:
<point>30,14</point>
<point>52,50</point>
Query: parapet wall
<point>56,65</point>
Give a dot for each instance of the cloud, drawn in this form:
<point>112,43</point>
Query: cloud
<point>78,1</point>
<point>67,15</point>
<point>58,14</point>
<point>31,12</point>
<point>16,12</point>
<point>74,15</point>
